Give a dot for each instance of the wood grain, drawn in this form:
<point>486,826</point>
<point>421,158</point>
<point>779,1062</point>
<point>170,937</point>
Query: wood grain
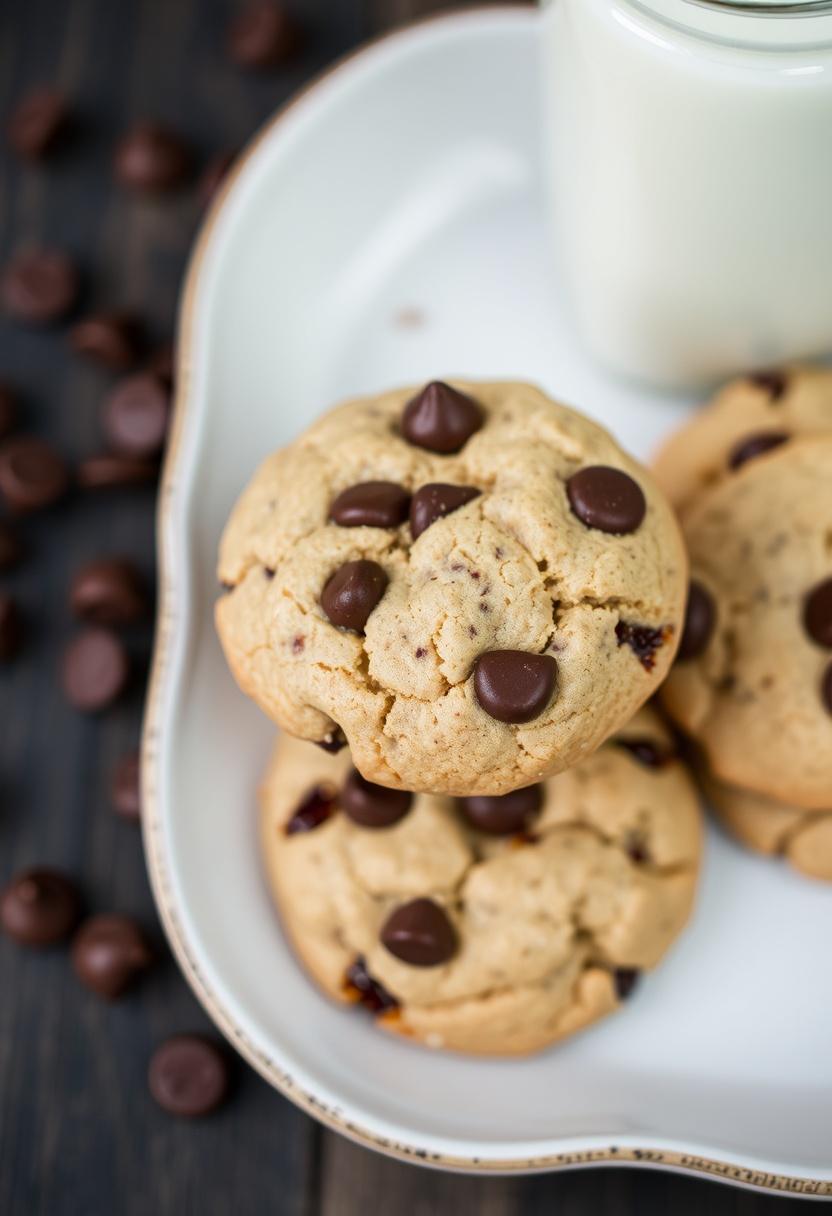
<point>79,1135</point>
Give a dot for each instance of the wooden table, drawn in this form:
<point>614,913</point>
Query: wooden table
<point>79,1134</point>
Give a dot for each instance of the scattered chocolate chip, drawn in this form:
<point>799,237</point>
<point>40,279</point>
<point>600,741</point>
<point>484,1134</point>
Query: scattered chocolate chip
<point>316,808</point>
<point>107,471</point>
<point>95,670</point>
<point>109,953</point>
<point>645,752</point>
<point>371,504</point>
<point>637,849</point>
<point>700,619</point>
<point>817,613</point>
<point>625,980</point>
<point>125,788</point>
<point>39,907</point>
<point>333,743</point>
<point>352,593</point>
<point>607,499</point>
<point>755,445</point>
<point>108,592</point>
<point>432,502</point>
<point>826,688</point>
<point>772,382</point>
<point>32,474</point>
<point>419,933</point>
<point>8,411</point>
<point>369,992</point>
<point>262,36</point>
<point>109,338</point>
<point>643,640</point>
<point>441,418</point>
<point>213,176</point>
<point>11,628</point>
<point>37,123</point>
<point>151,159</point>
<point>39,286</point>
<point>189,1075</point>
<point>11,550</point>
<point>373,806</point>
<point>136,416</point>
<point>513,685</point>
<point>505,815</point>
<point>162,363</point>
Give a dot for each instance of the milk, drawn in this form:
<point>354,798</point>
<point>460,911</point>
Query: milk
<point>690,157</point>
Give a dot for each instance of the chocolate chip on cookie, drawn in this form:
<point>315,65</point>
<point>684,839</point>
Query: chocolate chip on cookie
<point>817,613</point>
<point>505,814</point>
<point>373,806</point>
<point>318,805</point>
<point>643,640</point>
<point>420,933</point>
<point>700,618</point>
<point>826,688</point>
<point>367,991</point>
<point>625,979</point>
<point>371,504</point>
<point>513,685</point>
<point>607,499</point>
<point>433,501</point>
<point>333,743</point>
<point>352,593</point>
<point>441,418</point>
<point>772,382</point>
<point>645,752</point>
<point>752,446</point>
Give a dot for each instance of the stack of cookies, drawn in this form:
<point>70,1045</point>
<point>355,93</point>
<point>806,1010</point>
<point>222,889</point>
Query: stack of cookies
<point>464,595</point>
<point>751,477</point>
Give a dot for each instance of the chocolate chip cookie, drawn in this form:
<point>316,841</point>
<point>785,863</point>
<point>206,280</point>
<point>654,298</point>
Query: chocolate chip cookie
<point>485,924</point>
<point>471,584</point>
<point>748,418</point>
<point>753,680</point>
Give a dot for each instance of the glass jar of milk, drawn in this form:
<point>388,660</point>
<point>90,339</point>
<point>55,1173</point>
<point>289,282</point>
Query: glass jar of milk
<point>690,153</point>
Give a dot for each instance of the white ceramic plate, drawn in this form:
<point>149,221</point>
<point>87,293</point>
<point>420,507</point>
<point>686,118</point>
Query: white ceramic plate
<point>387,228</point>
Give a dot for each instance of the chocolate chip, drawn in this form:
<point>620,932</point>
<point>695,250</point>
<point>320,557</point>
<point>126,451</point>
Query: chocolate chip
<point>95,670</point>
<point>39,907</point>
<point>109,338</point>
<point>637,849</point>
<point>107,471</point>
<point>39,286</point>
<point>8,411</point>
<point>700,619</point>
<point>109,953</point>
<point>607,499</point>
<point>755,445</point>
<point>108,592</point>
<point>432,502</point>
<point>441,418</point>
<point>37,123</point>
<point>333,743</point>
<point>136,416</point>
<point>373,806</point>
<point>213,175</point>
<point>150,159</point>
<point>352,593</point>
<point>262,36</point>
<point>419,933</point>
<point>817,613</point>
<point>505,815</point>
<point>645,752</point>
<point>11,550</point>
<point>772,382</point>
<point>369,992</point>
<point>11,629</point>
<point>32,474</point>
<point>371,504</point>
<point>125,788</point>
<point>643,640</point>
<point>189,1075</point>
<point>514,685</point>
<point>316,808</point>
<point>826,688</point>
<point>625,980</point>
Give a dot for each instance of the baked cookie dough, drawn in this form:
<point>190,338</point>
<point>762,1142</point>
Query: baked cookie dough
<point>472,585</point>
<point>753,681</point>
<point>804,838</point>
<point>748,418</point>
<point>487,925</point>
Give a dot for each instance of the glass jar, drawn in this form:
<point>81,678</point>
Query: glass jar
<point>689,145</point>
